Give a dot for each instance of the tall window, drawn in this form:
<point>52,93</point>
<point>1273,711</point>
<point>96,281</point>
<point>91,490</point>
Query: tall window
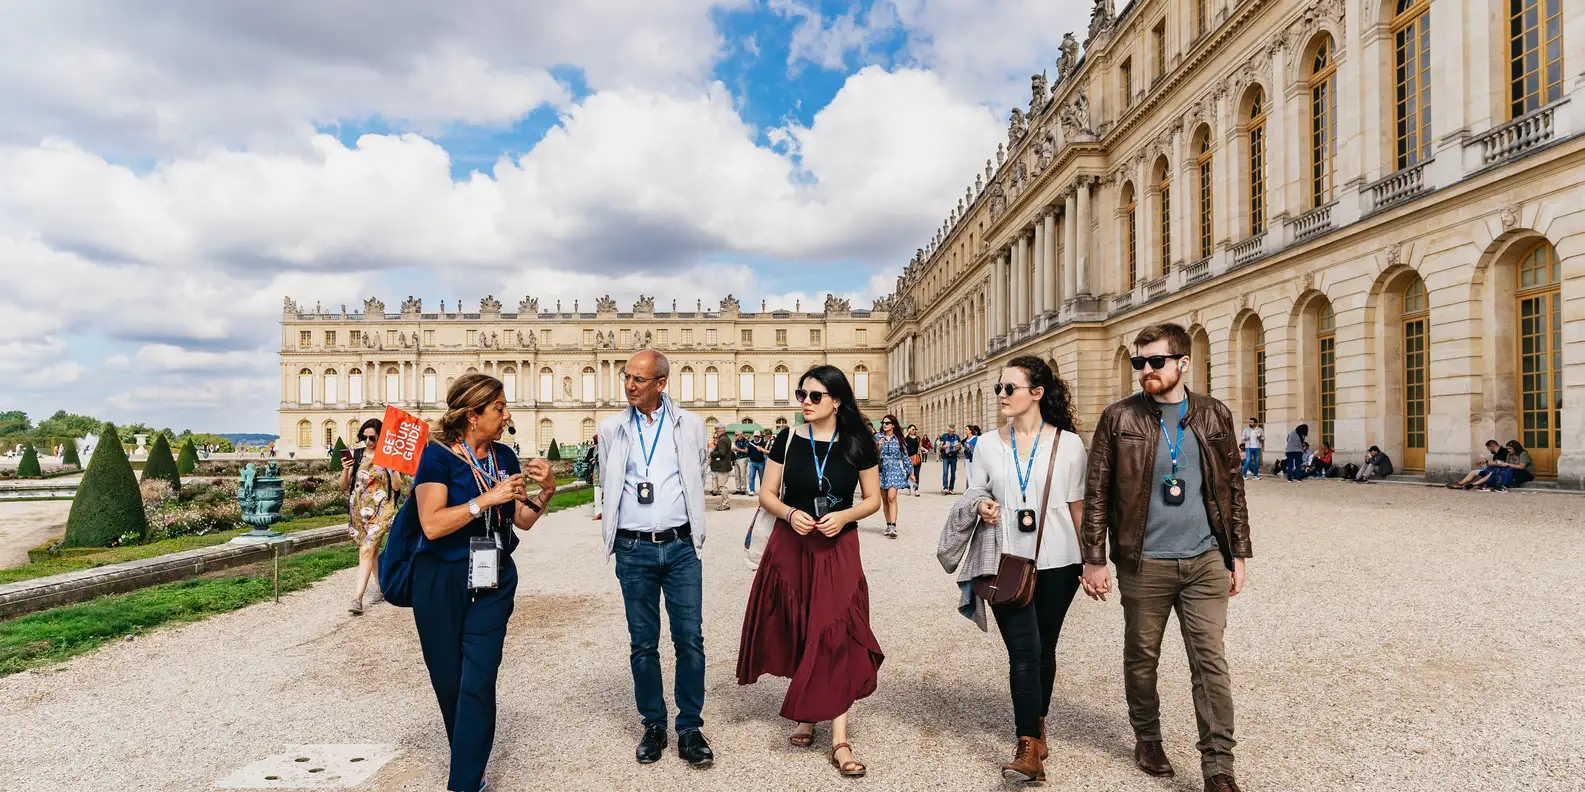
<point>393,385</point>
<point>1202,22</point>
<point>390,338</point>
<point>1416,371</point>
<point>1411,36</point>
<point>781,338</point>
<point>305,435</point>
<point>589,393</point>
<point>709,336</point>
<point>354,338</point>
<point>1540,313</point>
<point>588,337</point>
<point>745,383</point>
<point>547,432</point>
<point>305,338</point>
<point>1207,185</point>
<point>330,338</point>
<point>1159,34</point>
<point>1326,370</point>
<point>1260,375</point>
<point>748,337</point>
<point>1535,47</point>
<point>814,338</point>
<point>1164,191</point>
<point>330,386</point>
<point>712,386</point>
<point>861,383</point>
<point>509,380</point>
<point>1126,75</point>
<point>662,338</point>
<point>1131,227</point>
<point>473,338</point>
<point>1323,123</point>
<point>1257,162</point>
<point>305,387</point>
<point>587,432</point>
<point>547,385</point>
<point>430,386</point>
<point>687,336</point>
<point>355,386</point>
<point>330,434</point>
<point>687,383</point>
<point>782,377</point>
<point>861,337</point>
<point>544,337</point>
<point>627,338</point>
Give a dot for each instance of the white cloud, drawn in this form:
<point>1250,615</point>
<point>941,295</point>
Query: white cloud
<point>36,364</point>
<point>988,48</point>
<point>210,394</point>
<point>169,358</point>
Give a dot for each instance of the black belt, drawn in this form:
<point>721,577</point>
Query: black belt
<point>657,537</point>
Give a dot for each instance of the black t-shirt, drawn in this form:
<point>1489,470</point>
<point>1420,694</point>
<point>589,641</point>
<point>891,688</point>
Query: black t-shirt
<point>755,454</point>
<point>912,443</point>
<point>798,470</point>
<point>1501,455</point>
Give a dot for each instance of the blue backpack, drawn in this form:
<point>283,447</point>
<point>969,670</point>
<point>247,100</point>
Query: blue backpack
<point>396,560</point>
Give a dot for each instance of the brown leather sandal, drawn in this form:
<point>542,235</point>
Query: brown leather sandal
<point>849,769</point>
<point>801,740</point>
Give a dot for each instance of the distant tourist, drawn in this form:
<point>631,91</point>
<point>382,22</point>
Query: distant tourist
<point>758,446</point>
<point>1376,466</point>
<point>591,459</point>
<point>721,469</point>
<point>1495,453</point>
<point>740,463</point>
<point>1251,440</point>
<point>1295,452</point>
<point>1517,469</point>
<point>896,469</point>
<point>808,611</point>
<point>916,456</point>
<point>1321,461</point>
<point>374,496</point>
<point>949,446</point>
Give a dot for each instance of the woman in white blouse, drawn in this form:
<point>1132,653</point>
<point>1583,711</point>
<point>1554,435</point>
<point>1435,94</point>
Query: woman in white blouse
<point>1011,463</point>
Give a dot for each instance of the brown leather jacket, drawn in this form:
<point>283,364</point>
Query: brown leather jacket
<point>1122,471</point>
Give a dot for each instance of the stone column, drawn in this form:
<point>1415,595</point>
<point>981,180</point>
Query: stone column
<point>1039,280</point>
<point>1018,291</point>
<point>1084,237</point>
<point>1070,245</point>
<point>1049,280</point>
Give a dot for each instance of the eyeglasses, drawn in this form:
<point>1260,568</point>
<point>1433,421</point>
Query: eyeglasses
<point>1007,387</point>
<point>370,438</point>
<point>809,397</point>
<point>886,423</point>
<point>637,380</point>
<point>1157,362</point>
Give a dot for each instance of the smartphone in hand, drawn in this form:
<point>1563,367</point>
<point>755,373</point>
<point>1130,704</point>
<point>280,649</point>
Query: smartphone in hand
<point>346,456</point>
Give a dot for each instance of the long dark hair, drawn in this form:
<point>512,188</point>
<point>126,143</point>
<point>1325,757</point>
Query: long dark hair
<point>858,445</point>
<point>897,427</point>
<point>1056,404</point>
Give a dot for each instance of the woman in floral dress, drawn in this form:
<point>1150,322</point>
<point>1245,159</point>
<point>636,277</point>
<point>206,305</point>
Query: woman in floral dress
<point>896,470</point>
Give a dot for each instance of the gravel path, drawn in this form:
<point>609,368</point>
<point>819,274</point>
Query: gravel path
<point>26,525</point>
<point>1392,638</point>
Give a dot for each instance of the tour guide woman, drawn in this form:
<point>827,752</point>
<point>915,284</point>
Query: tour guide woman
<point>1008,485</point>
<point>468,487</point>
<point>808,615</point>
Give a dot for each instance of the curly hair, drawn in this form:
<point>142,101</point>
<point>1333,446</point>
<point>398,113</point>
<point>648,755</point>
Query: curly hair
<point>1056,403</point>
<point>471,394</point>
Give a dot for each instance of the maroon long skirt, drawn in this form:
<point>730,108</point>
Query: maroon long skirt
<point>808,620</point>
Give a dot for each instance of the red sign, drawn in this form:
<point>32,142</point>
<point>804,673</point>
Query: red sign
<point>401,443</point>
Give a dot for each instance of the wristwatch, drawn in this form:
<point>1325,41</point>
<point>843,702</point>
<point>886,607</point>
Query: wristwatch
<point>473,507</point>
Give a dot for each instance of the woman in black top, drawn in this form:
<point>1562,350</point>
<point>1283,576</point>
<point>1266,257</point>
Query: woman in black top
<point>914,458</point>
<point>808,612</point>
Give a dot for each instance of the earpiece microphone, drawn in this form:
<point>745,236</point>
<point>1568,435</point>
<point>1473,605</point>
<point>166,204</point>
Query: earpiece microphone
<point>511,430</point>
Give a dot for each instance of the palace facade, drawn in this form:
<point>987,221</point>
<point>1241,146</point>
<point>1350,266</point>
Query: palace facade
<point>562,369</point>
<point>1369,213</point>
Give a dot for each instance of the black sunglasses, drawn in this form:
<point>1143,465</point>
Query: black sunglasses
<point>1157,362</point>
<point>808,397</point>
<point>1010,388</point>
<point>370,438</point>
<point>886,423</point>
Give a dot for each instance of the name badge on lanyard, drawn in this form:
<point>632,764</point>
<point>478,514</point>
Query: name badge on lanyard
<point>1173,489</point>
<point>824,500</point>
<point>1026,516</point>
<point>644,488</point>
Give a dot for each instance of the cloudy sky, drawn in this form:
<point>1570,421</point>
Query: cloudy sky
<point>170,171</point>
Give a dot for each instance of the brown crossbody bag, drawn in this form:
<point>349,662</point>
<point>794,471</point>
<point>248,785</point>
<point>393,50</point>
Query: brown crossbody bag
<point>1014,581</point>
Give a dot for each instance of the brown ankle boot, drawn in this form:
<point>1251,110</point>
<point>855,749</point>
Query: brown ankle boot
<point>1151,759</point>
<point>1221,783</point>
<point>1026,766</point>
<point>1045,748</point>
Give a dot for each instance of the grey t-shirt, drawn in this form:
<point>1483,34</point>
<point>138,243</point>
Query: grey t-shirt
<point>1181,531</point>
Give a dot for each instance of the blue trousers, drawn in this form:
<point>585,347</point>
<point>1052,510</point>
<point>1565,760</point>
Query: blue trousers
<point>461,636</point>
<point>646,570</point>
<point>1251,461</point>
<point>949,473</point>
<point>756,471</point>
<point>1291,468</point>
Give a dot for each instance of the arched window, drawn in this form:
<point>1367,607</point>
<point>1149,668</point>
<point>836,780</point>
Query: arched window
<point>1540,369</point>
<point>431,384</point>
<point>330,386</point>
<point>1535,53</point>
<point>712,391</point>
<point>305,387</point>
<point>1130,245</point>
<point>589,394</point>
<point>393,385</point>
<point>861,383</point>
<point>1326,370</point>
<point>1257,162</point>
<point>587,432</point>
<point>1416,373</point>
<point>745,383</point>
<point>709,428</point>
<point>1260,375</point>
<point>781,423</point>
<point>686,386</point>
<point>1323,123</point>
<point>353,439</point>
<point>305,435</point>
<point>1411,37</point>
<point>509,380</point>
<point>330,434</point>
<point>1164,202</point>
<point>355,386</point>
<point>547,385</point>
<point>547,433</point>
<point>782,379</point>
<point>1202,161</point>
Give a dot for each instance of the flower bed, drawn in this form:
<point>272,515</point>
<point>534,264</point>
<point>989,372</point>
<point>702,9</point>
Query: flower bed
<point>204,508</point>
<point>50,471</point>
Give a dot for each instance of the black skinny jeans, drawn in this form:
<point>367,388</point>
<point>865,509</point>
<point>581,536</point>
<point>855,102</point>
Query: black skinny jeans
<point>1030,634</point>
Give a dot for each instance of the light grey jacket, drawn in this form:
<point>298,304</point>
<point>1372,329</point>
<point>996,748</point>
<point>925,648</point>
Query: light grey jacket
<point>616,441</point>
<point>972,548</point>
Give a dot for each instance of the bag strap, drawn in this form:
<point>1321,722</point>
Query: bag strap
<point>1045,497</point>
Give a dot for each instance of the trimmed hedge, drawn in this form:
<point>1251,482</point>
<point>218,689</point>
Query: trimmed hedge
<point>187,461</point>
<point>335,456</point>
<point>70,457</point>
<point>161,466</point>
<point>554,453</point>
<point>108,505</point>
<point>29,467</point>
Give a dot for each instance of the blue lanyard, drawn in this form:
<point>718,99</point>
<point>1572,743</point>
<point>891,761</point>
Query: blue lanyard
<point>482,477</point>
<point>1026,471</point>
<point>1174,448</point>
<point>820,463</point>
<point>649,453</point>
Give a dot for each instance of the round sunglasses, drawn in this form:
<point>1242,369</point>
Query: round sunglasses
<point>808,396</point>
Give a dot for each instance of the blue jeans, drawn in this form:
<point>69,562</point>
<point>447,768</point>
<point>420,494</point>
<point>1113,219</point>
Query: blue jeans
<point>1291,469</point>
<point>645,570</point>
<point>949,473</point>
<point>756,472</point>
<point>1252,462</point>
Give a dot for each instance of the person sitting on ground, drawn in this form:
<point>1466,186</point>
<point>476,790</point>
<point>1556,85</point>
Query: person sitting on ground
<point>1321,461</point>
<point>1517,469</point>
<point>1306,462</point>
<point>1376,466</point>
<point>1495,454</point>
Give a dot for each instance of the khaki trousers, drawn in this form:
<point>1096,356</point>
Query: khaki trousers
<point>1197,589</point>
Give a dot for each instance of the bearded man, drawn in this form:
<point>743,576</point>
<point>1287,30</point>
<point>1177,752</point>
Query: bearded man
<point>1164,493</point>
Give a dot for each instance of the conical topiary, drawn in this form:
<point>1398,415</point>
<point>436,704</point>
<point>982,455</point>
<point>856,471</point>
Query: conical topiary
<point>70,457</point>
<point>554,454</point>
<point>107,505</point>
<point>187,460</point>
<point>161,466</point>
<point>30,463</point>
<point>335,456</point>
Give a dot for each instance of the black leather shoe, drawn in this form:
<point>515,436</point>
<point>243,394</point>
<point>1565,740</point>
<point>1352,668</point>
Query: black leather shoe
<point>654,742</point>
<point>695,749</point>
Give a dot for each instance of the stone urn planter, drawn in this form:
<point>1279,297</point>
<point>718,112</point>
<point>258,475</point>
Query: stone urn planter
<point>260,499</point>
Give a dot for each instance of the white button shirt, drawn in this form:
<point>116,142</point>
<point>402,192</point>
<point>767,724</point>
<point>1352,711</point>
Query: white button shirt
<point>669,509</point>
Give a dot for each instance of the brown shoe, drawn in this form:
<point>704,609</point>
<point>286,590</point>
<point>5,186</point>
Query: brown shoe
<point>1221,783</point>
<point>1151,759</point>
<point>1026,766</point>
<point>1045,748</point>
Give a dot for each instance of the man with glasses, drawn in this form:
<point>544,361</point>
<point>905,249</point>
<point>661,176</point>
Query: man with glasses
<point>652,462</point>
<point>1171,509</point>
